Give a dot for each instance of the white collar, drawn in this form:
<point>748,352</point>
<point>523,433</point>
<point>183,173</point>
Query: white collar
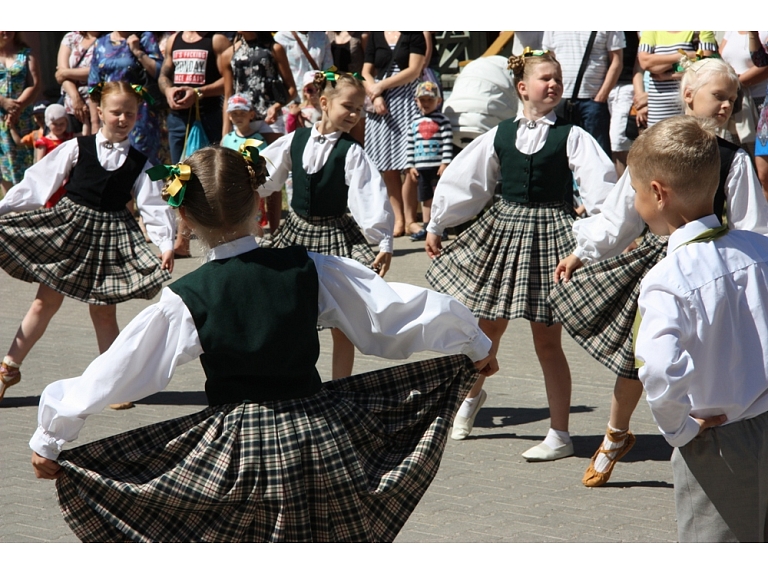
<point>549,119</point>
<point>690,230</point>
<point>122,146</point>
<point>332,137</point>
<point>233,248</point>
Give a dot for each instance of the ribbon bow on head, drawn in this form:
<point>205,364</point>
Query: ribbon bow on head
<point>332,75</point>
<point>144,93</point>
<point>250,150</point>
<point>179,175</point>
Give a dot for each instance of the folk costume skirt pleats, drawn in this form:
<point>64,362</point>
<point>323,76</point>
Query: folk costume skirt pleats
<point>95,257</point>
<point>329,235</point>
<point>598,305</point>
<point>349,463</point>
<point>503,265</point>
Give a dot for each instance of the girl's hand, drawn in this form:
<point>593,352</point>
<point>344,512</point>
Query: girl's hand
<point>433,245</point>
<point>642,117</point>
<point>413,173</point>
<point>380,106</point>
<point>273,113</point>
<point>381,263</point>
<point>166,261</point>
<point>441,169</point>
<point>46,468</point>
<point>566,267</point>
<point>487,366</point>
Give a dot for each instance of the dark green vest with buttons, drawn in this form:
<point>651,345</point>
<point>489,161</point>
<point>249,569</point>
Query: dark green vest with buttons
<point>325,192</point>
<point>542,177</point>
<point>256,317</point>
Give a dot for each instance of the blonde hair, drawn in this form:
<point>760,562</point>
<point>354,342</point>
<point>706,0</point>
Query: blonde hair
<point>104,89</point>
<point>699,73</point>
<point>522,66</point>
<point>329,88</point>
<point>682,151</point>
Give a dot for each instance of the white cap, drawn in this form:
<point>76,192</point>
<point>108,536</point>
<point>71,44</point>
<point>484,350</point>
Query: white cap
<point>54,112</point>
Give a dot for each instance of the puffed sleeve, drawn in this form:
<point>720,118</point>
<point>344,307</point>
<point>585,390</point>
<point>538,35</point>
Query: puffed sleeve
<point>592,169</point>
<point>158,216</point>
<point>41,180</point>
<point>367,199</point>
<point>393,320</point>
<point>746,206</point>
<point>610,232</point>
<point>467,184</point>
<point>140,362</point>
<point>278,158</point>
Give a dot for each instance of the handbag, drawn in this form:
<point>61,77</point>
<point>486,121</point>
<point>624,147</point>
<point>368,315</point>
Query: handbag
<point>195,137</point>
<point>632,130</point>
<point>564,108</point>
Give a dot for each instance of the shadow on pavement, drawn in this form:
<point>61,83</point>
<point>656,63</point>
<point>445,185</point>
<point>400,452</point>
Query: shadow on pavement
<point>623,484</point>
<point>26,401</point>
<point>495,417</point>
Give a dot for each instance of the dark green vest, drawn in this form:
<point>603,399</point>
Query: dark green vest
<point>323,193</point>
<point>256,316</point>
<point>541,177</point>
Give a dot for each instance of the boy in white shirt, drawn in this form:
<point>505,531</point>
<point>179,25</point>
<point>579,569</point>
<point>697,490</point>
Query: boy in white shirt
<point>702,343</point>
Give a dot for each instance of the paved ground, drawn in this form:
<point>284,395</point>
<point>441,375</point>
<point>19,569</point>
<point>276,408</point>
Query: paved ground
<point>484,491</point>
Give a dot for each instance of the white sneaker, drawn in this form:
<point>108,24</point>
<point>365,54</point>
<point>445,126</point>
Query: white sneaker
<point>462,426</point>
<point>543,452</point>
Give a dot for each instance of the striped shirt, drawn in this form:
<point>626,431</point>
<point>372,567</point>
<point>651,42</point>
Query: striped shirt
<point>429,142</point>
<point>569,48</point>
<point>663,95</point>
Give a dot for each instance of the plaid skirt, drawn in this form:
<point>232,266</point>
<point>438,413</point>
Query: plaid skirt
<point>502,266</point>
<point>96,257</point>
<point>329,235</point>
<point>598,305</point>
<point>348,464</point>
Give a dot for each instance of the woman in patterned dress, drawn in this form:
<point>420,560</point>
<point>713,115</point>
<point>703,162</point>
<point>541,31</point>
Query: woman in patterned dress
<point>19,85</point>
<point>72,69</point>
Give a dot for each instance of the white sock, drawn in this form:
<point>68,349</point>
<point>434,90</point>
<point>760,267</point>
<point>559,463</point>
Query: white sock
<point>557,438</point>
<point>468,406</point>
<point>603,460</point>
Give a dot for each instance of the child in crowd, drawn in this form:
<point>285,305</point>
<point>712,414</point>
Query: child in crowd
<point>88,247</point>
<point>429,149</point>
<point>598,304</point>
<point>331,173</point>
<point>702,341</point>
<point>308,113</point>
<point>278,455</point>
<point>242,116</point>
<point>500,267</point>
<point>57,123</point>
<point>28,140</point>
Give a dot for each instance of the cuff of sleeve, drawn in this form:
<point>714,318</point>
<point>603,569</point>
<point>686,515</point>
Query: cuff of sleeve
<point>385,245</point>
<point>165,245</point>
<point>689,432</point>
<point>583,255</point>
<point>434,228</point>
<point>46,445</point>
<point>478,348</point>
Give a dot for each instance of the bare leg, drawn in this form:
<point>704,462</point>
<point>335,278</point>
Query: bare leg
<point>494,329</point>
<point>394,184</point>
<point>626,395</point>
<point>104,318</point>
<point>411,205</point>
<point>343,355</point>
<point>557,374</point>
<point>47,302</point>
<point>620,162</point>
<point>426,212</point>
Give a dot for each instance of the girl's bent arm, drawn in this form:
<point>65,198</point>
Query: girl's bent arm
<point>159,218</point>
<point>393,320</point>
<point>368,200</point>
<point>592,169</point>
<point>278,158</point>
<point>140,362</point>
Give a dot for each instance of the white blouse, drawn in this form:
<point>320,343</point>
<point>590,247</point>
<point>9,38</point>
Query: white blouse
<point>610,232</point>
<point>468,183</point>
<point>368,201</point>
<point>390,320</point>
<point>46,176</point>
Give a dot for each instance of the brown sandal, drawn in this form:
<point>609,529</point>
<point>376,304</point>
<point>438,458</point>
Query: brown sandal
<point>9,375</point>
<point>593,477</point>
<point>121,406</point>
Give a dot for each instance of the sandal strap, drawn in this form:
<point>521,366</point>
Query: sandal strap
<point>8,362</point>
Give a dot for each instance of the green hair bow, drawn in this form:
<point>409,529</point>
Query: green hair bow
<point>144,93</point>
<point>332,75</point>
<point>250,150</point>
<point>179,175</point>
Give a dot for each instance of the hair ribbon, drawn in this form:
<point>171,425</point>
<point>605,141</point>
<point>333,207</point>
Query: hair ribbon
<point>144,93</point>
<point>250,150</point>
<point>179,174</point>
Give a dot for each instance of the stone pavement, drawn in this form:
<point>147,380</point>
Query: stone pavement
<point>484,491</point>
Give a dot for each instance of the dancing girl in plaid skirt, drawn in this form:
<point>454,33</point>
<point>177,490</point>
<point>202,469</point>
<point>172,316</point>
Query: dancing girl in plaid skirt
<point>88,246</point>
<point>501,267</point>
<point>598,304</point>
<point>331,172</point>
<point>278,455</point>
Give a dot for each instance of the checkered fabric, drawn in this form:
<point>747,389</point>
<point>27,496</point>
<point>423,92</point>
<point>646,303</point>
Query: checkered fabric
<point>503,265</point>
<point>96,257</point>
<point>598,305</point>
<point>348,464</point>
<point>329,235</point>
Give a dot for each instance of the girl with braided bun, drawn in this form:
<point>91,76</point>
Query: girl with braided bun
<point>278,455</point>
<point>501,266</point>
<point>88,246</point>
<point>598,303</point>
<point>331,173</point>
